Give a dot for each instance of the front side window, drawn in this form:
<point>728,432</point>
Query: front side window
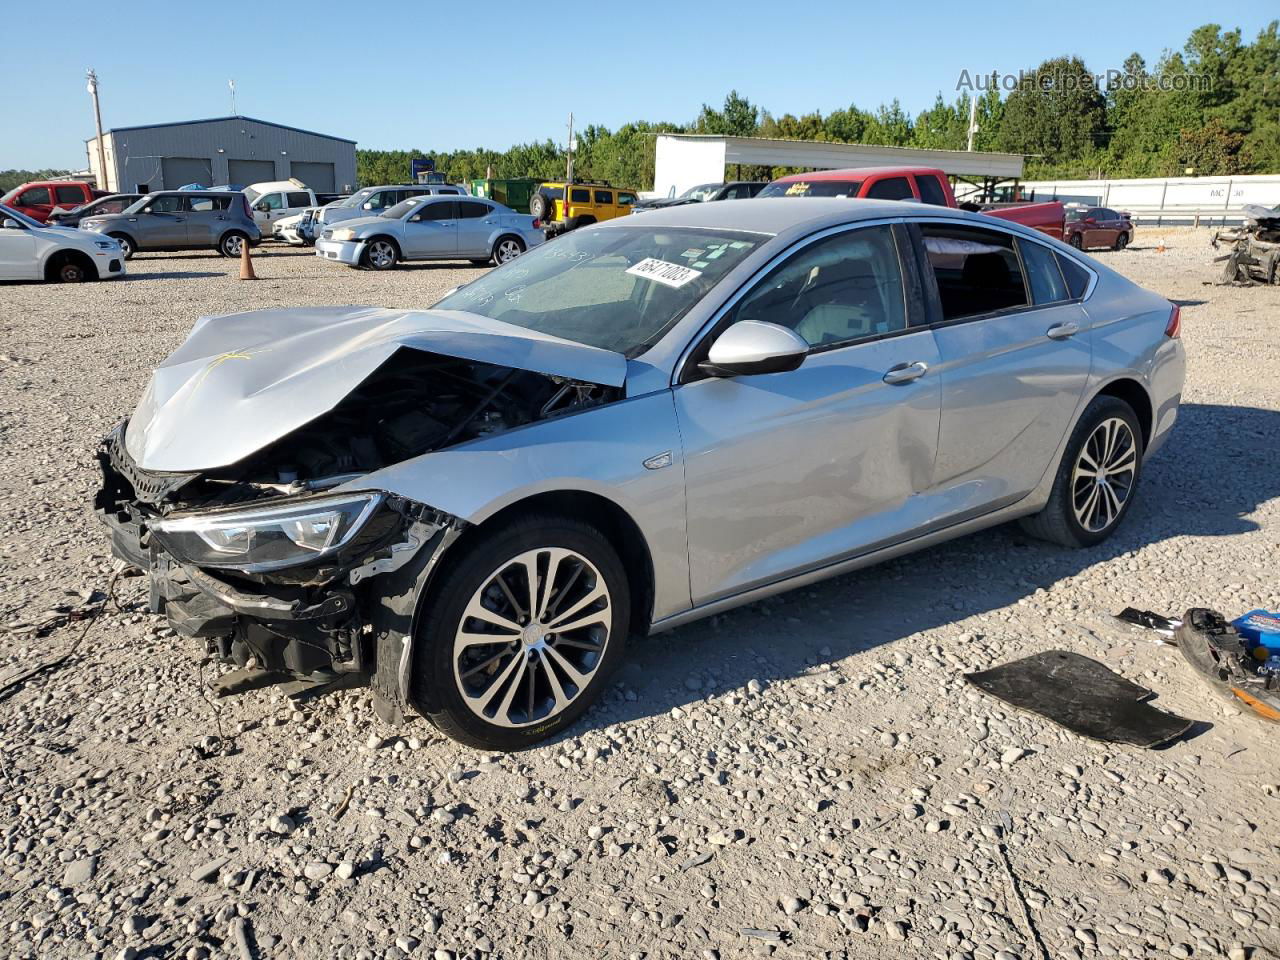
<point>1043,275</point>
<point>890,188</point>
<point>273,201</point>
<point>299,199</point>
<point>976,270</point>
<point>619,289</point>
<point>840,289</point>
<point>169,203</point>
<point>69,195</point>
<point>440,210</point>
<point>626,199</point>
<point>35,197</point>
<point>931,190</point>
<point>812,188</point>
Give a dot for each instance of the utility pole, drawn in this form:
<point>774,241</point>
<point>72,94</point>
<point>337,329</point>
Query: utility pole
<point>97,118</point>
<point>568,174</point>
<point>973,119</point>
<point>232,85</point>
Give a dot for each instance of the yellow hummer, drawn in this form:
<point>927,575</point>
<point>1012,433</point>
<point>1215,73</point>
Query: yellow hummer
<point>562,206</point>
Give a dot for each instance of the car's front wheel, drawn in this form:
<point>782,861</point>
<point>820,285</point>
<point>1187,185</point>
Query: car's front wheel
<point>521,634</point>
<point>380,254</point>
<point>1097,478</point>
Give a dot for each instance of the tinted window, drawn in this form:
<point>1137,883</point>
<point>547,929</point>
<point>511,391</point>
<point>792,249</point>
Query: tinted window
<point>168,203</point>
<point>931,190</point>
<point>625,198</point>
<point>299,200</point>
<point>891,188</point>
<point>1041,265</point>
<point>604,196</point>
<point>1077,277</point>
<point>206,204</point>
<point>580,196</point>
<point>472,209</point>
<point>813,188</point>
<point>449,192</point>
<point>273,201</point>
<point>34,197</point>
<point>843,288</point>
<point>72,195</point>
<point>440,210</point>
<point>976,270</point>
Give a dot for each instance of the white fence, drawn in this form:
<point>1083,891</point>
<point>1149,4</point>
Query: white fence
<point>1171,200</point>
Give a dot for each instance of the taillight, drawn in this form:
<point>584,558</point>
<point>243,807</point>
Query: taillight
<point>248,211</point>
<point>1173,328</point>
<point>537,224</point>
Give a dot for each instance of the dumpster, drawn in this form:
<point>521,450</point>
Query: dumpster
<point>513,192</point>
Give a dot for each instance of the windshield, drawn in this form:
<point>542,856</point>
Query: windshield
<point>8,197</point>
<point>8,213</point>
<point>700,192</point>
<point>357,198</point>
<point>619,288</point>
<point>811,188</point>
<point>137,204</point>
<point>401,208</point>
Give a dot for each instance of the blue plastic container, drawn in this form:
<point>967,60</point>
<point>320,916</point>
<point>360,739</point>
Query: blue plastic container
<point>1261,632</point>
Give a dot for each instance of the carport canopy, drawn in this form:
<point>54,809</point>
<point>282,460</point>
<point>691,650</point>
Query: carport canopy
<point>685,160</point>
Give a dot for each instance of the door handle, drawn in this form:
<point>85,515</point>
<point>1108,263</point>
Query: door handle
<point>1061,331</point>
<point>491,222</point>
<point>906,372</point>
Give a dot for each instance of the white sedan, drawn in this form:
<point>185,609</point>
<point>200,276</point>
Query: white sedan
<point>30,250</point>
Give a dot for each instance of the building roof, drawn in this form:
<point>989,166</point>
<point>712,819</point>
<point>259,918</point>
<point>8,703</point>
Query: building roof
<point>770,152</point>
<point>184,123</point>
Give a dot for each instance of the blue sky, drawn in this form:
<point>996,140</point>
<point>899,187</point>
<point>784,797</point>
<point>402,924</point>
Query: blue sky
<point>386,80</point>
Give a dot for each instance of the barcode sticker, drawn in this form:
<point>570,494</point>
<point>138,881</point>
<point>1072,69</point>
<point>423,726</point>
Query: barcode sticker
<point>667,274</point>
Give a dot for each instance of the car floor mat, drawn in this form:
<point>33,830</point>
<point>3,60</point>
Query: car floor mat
<point>1082,695</point>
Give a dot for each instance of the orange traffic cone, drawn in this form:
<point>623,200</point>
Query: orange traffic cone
<point>246,265</point>
<point>1160,249</point>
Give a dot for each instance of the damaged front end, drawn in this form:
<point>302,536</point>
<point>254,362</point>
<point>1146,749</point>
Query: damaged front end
<point>281,562</point>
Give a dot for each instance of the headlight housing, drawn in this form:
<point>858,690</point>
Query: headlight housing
<point>267,538</point>
<point>344,233</point>
<point>104,244</point>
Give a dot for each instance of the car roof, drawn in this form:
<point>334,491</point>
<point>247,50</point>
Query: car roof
<point>848,172</point>
<point>775,215</point>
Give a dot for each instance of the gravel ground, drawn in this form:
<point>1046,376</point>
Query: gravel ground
<point>807,777</point>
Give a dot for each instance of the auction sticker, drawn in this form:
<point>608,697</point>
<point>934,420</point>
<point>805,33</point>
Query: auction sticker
<point>667,274</point>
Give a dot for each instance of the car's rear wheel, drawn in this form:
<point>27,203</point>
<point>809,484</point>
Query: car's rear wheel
<point>1076,241</point>
<point>232,244</point>
<point>380,254</point>
<point>1122,241</point>
<point>1097,478</point>
<point>521,634</point>
<point>507,249</point>
<point>126,245</point>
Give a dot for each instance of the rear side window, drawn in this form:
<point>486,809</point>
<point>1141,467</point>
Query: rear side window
<point>36,196</point>
<point>931,190</point>
<point>1077,277</point>
<point>299,200</point>
<point>580,196</point>
<point>891,188</point>
<point>472,209</point>
<point>447,192</point>
<point>1043,275</point>
<point>976,270</point>
<point>206,204</point>
<point>69,194</point>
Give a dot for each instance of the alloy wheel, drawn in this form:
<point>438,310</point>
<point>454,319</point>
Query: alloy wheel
<point>532,637</point>
<point>1104,475</point>
<point>382,254</point>
<point>233,245</point>
<point>507,250</point>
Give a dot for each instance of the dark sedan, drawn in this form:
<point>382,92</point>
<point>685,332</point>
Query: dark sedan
<point>1089,227</point>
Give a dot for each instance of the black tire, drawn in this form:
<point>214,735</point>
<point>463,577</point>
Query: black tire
<point>507,248</point>
<point>1076,241</point>
<point>1058,521</point>
<point>436,685</point>
<point>1122,241</point>
<point>70,267</point>
<point>231,243</point>
<point>380,253</point>
<point>127,248</point>
<point>541,206</point>
<point>480,263</point>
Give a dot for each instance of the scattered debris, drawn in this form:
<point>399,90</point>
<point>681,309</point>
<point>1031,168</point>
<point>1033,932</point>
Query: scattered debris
<point>771,936</point>
<point>1239,660</point>
<point>1082,695</point>
<point>1253,255</point>
<point>1158,624</point>
<point>341,808</point>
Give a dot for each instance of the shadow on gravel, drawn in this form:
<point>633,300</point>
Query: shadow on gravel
<point>170,275</point>
<point>1205,482</point>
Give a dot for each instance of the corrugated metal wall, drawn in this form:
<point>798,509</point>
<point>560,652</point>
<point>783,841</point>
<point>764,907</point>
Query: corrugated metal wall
<point>137,155</point>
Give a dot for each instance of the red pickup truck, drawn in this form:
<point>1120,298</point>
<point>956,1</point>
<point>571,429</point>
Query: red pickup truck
<point>38,199</point>
<point>923,184</point>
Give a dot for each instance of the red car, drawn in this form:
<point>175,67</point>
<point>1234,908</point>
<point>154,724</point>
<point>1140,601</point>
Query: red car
<point>1088,227</point>
<point>924,184</point>
<point>37,200</point>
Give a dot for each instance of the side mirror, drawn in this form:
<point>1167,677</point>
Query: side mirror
<point>262,208</point>
<point>11,224</point>
<point>751,346</point>
<point>368,205</point>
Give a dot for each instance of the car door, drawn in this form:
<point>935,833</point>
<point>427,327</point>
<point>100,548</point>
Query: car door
<point>206,219</point>
<point>1095,230</point>
<point>267,209</point>
<point>17,251</point>
<point>162,223</point>
<point>787,472</point>
<point>476,222</point>
<point>431,231</point>
<point>35,202</point>
<point>1014,362</point>
<point>1113,224</point>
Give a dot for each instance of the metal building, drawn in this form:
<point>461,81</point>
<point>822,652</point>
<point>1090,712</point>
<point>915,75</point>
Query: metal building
<point>222,150</point>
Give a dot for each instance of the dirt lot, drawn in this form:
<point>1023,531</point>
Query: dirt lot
<point>805,777</point>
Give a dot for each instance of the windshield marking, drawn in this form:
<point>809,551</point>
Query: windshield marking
<point>668,274</point>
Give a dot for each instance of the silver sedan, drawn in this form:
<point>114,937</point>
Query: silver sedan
<point>641,423</point>
<point>431,228</point>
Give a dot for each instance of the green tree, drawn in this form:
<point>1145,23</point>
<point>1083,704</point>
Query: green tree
<point>1058,114</point>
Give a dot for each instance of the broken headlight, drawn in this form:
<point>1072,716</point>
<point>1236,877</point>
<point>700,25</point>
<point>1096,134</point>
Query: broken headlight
<point>267,538</point>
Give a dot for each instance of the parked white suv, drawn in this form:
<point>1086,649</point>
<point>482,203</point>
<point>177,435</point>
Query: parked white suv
<point>30,250</point>
<point>273,200</point>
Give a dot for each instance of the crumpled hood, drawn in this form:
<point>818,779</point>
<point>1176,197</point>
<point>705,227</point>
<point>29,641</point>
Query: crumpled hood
<point>245,380</point>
